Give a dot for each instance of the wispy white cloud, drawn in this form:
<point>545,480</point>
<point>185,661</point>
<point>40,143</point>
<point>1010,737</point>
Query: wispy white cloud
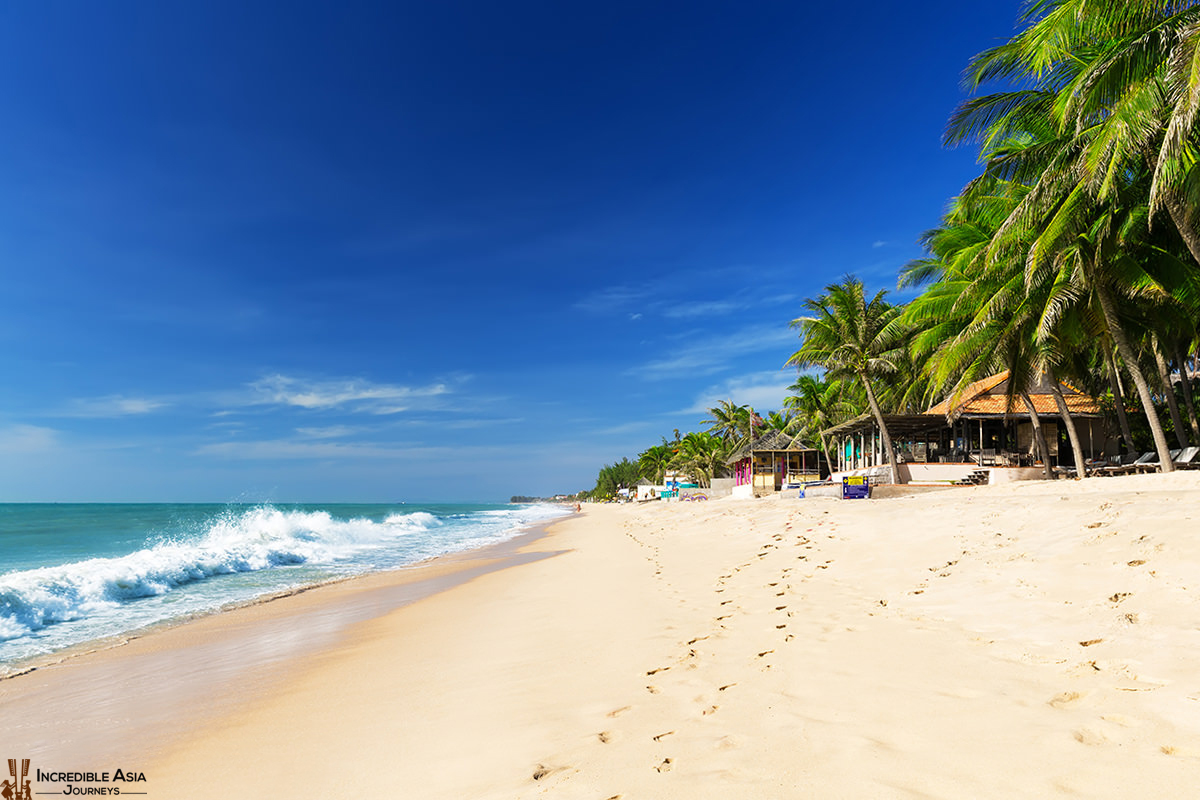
<point>347,395</point>
<point>746,300</point>
<point>705,308</point>
<point>25,440</point>
<point>300,449</point>
<point>328,432</point>
<point>764,391</point>
<point>626,427</point>
<point>112,406</point>
<point>613,299</point>
<point>465,424</point>
<point>710,355</point>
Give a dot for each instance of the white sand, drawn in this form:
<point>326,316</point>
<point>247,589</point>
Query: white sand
<point>1030,640</point>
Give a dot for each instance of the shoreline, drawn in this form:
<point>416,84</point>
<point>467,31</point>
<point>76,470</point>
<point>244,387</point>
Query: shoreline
<point>1032,640</point>
<point>33,663</point>
<point>215,659</point>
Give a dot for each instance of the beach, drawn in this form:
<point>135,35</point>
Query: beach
<point>1036,639</point>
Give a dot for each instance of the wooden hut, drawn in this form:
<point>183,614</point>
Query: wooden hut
<point>772,461</point>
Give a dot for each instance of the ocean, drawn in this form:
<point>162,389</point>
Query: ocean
<point>75,573</point>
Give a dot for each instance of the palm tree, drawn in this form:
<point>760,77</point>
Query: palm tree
<point>654,461</point>
<point>852,337</point>
<point>783,421</point>
<point>816,405</point>
<point>1078,139</point>
<point>731,422</point>
<point>1118,82</point>
<point>1102,251</point>
<point>702,456</point>
<point>976,318</point>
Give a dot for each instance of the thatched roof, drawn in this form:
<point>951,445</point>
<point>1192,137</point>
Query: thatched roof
<point>771,441</point>
<point>983,399</point>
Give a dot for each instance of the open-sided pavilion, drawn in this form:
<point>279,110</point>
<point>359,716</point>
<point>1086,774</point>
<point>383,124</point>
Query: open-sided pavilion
<point>983,428</point>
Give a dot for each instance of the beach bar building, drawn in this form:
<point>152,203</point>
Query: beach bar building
<point>978,437</point>
<point>773,461</point>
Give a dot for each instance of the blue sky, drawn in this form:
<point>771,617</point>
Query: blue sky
<point>437,251</point>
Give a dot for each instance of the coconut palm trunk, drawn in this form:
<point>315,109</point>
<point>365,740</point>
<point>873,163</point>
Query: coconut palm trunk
<point>1114,382</point>
<point>1039,435</point>
<point>1186,385</point>
<point>883,431</point>
<point>1164,377</point>
<point>1139,380</point>
<point>1069,422</point>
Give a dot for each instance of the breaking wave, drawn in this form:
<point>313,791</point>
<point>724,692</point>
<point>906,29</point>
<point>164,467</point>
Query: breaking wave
<point>240,541</point>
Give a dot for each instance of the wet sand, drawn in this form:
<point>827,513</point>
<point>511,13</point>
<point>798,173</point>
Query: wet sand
<point>131,697</point>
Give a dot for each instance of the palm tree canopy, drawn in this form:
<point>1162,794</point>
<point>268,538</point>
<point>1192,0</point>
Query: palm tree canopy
<point>847,334</point>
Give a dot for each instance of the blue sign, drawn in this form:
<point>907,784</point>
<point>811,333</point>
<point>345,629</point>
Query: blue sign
<point>856,487</point>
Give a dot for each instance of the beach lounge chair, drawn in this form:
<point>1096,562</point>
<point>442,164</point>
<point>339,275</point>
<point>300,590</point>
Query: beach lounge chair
<point>1148,462</point>
<point>1153,465</point>
<point>1121,465</point>
<point>1188,459</point>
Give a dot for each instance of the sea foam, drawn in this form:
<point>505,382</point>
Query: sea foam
<point>251,540</point>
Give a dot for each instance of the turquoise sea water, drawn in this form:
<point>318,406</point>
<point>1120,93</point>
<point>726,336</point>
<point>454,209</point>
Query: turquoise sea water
<point>73,573</point>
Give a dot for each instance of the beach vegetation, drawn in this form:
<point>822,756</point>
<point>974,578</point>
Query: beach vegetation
<point>1075,255</point>
<point>734,424</point>
<point>613,477</point>
<point>853,337</point>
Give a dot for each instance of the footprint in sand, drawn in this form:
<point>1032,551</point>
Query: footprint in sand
<point>1065,700</point>
<point>1089,736</point>
<point>542,771</point>
<point>653,689</point>
<point>665,766</point>
<point>709,710</point>
<point>604,736</point>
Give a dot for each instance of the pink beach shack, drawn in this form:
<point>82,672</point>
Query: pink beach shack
<point>774,461</point>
